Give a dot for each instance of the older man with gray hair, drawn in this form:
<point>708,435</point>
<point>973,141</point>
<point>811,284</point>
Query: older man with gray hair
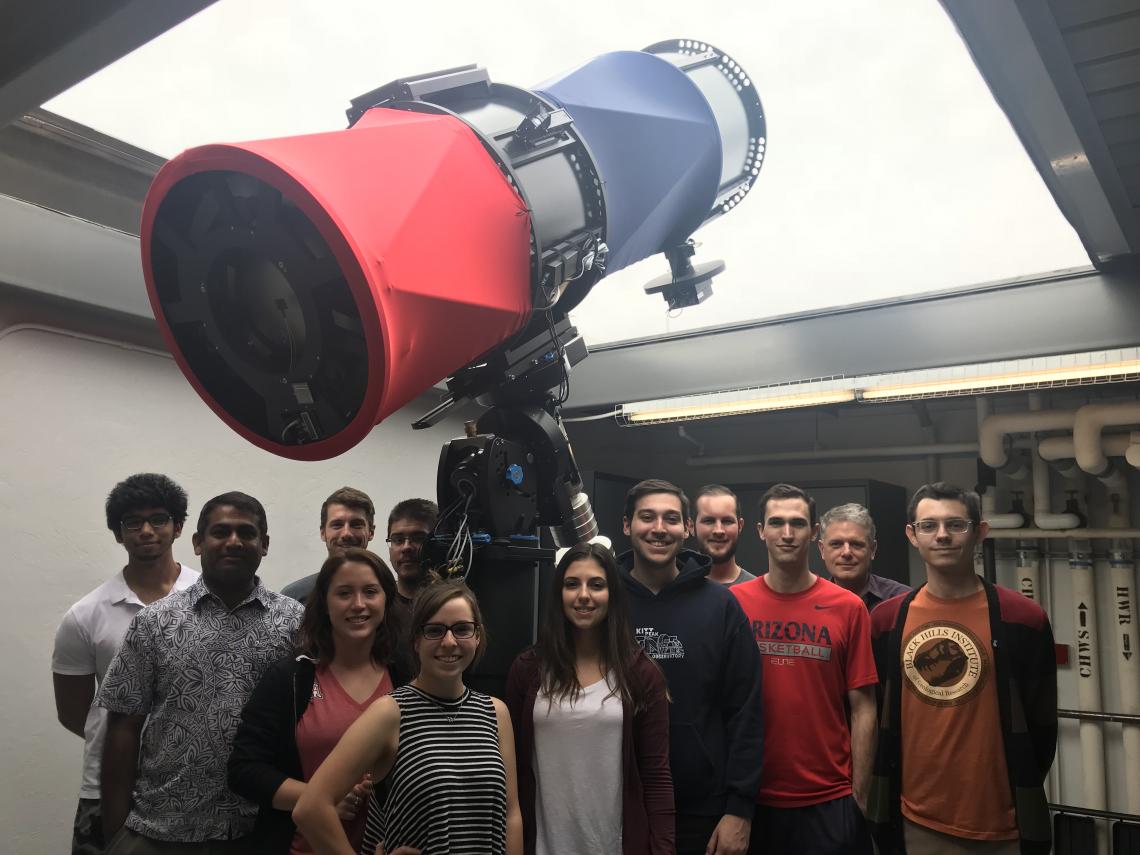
<point>847,544</point>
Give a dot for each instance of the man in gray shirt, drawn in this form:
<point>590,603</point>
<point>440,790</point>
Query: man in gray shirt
<point>717,525</point>
<point>187,666</point>
<point>847,544</point>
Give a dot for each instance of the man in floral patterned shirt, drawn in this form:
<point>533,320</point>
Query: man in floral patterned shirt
<point>186,668</point>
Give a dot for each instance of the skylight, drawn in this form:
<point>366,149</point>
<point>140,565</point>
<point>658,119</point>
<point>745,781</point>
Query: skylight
<point>890,170</point>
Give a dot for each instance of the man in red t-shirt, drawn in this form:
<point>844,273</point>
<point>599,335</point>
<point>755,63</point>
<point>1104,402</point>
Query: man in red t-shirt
<point>815,656</point>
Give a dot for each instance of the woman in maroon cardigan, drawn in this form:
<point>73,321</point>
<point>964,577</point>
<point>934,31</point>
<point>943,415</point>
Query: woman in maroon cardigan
<point>591,720</point>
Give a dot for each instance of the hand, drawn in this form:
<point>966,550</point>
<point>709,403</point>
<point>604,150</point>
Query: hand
<point>399,850</point>
<point>350,805</point>
<point>860,801</point>
<point>730,837</point>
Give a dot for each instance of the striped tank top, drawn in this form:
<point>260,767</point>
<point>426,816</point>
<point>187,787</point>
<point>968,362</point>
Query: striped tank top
<point>447,791</point>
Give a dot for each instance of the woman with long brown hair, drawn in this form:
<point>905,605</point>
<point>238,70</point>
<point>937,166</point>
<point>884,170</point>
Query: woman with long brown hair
<point>346,658</point>
<point>591,720</point>
<point>442,754</point>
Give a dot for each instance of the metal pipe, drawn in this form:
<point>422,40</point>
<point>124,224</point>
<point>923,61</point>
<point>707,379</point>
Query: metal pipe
<point>812,455</point>
<point>1119,718</point>
<point>1096,814</point>
<point>1062,534</point>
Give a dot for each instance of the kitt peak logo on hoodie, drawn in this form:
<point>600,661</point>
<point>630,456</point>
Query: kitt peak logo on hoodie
<point>659,645</point>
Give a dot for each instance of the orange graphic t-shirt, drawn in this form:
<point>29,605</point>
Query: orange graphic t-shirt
<point>954,777</point>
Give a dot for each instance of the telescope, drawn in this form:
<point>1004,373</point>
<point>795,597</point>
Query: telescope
<point>310,286</point>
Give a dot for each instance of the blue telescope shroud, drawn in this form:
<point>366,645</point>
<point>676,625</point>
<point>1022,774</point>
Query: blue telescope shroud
<point>656,142</point>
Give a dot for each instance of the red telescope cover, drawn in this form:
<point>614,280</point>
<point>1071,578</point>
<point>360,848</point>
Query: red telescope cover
<point>434,244</point>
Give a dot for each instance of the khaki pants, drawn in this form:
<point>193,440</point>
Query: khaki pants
<point>921,840</point>
<point>128,842</point>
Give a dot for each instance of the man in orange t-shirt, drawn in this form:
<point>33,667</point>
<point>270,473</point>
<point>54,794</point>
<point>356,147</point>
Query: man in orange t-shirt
<point>954,773</point>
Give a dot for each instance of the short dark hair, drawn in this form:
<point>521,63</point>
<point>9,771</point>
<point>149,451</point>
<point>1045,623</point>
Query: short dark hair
<point>238,500</point>
<point>433,598</point>
<point>352,498</point>
<point>716,490</point>
<point>315,638</point>
<point>786,491</point>
<point>421,510</point>
<point>145,490</point>
<point>647,488</point>
<point>942,491</point>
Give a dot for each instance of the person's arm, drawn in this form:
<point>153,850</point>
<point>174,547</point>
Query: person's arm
<point>507,750</point>
<point>73,696</point>
<point>265,742</point>
<point>742,707</point>
<point>1040,691</point>
<point>119,769</point>
<point>370,744</point>
<point>127,692</point>
<point>651,751</point>
<point>864,714</point>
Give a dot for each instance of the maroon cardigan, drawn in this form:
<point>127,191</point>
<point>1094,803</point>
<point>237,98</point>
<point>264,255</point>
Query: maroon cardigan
<point>647,785</point>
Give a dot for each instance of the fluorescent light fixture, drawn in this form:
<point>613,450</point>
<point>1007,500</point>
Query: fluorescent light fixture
<point>786,396</point>
<point>1042,372</point>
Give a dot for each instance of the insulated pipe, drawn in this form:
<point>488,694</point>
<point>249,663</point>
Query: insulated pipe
<point>993,430</point>
<point>1056,448</point>
<point>996,520</point>
<point>1090,421</point>
<point>1088,673</point>
<point>1042,516</point>
<point>1122,578</point>
<point>1029,570</point>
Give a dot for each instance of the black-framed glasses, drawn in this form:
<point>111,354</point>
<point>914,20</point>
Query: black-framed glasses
<point>135,523</point>
<point>955,525</point>
<point>461,631</point>
<point>417,538</point>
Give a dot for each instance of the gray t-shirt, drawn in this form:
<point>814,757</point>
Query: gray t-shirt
<point>744,576</point>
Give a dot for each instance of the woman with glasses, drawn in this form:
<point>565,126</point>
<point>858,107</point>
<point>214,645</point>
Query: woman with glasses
<point>442,754</point>
<point>591,719</point>
<point>347,658</point>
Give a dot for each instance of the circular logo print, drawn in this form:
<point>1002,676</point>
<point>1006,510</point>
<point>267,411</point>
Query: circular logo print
<point>943,663</point>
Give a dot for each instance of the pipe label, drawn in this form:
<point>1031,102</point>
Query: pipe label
<point>1028,587</point>
<point>1084,641</point>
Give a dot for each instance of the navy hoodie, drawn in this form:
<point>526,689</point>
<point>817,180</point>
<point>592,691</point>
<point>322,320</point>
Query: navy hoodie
<point>698,634</point>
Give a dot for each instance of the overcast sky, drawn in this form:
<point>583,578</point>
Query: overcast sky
<point>890,169</point>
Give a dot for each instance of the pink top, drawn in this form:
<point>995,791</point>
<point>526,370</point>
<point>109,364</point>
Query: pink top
<point>329,714</point>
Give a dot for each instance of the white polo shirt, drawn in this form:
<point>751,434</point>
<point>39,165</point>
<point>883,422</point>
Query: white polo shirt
<point>85,643</point>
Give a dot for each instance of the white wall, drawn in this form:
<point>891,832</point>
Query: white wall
<point>78,416</point>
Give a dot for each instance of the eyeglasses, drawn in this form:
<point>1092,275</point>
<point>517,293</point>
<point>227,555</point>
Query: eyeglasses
<point>417,538</point>
<point>136,523</point>
<point>461,631</point>
<point>956,525</point>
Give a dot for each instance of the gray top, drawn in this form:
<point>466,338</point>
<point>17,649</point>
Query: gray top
<point>881,588</point>
<point>744,576</point>
<point>190,664</point>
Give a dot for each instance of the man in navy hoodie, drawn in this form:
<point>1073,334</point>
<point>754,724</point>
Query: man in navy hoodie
<point>697,633</point>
